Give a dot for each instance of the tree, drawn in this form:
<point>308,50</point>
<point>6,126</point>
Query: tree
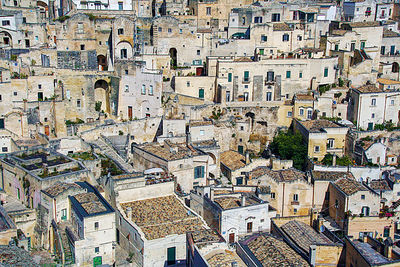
<point>288,145</point>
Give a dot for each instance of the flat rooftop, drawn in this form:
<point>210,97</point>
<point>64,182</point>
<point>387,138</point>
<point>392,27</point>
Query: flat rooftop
<point>271,251</point>
<point>170,151</point>
<point>163,216</point>
<point>224,258</point>
<point>205,237</point>
<point>232,202</point>
<point>286,175</point>
<point>90,203</point>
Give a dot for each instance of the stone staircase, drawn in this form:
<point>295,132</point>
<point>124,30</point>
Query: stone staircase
<point>107,149</point>
<point>68,257</point>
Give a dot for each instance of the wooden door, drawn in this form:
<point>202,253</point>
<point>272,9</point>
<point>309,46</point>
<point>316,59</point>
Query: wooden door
<point>47,130</point>
<point>130,112</point>
<point>232,238</point>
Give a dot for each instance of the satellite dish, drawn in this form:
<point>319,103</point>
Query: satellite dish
<point>322,228</point>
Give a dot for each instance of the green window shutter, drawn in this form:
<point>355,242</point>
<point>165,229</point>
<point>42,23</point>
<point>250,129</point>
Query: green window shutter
<point>326,72</point>
<point>288,74</point>
<point>201,93</point>
<point>246,74</point>
<point>229,77</point>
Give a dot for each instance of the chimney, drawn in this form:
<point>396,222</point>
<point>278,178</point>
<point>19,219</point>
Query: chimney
<point>334,160</point>
<point>129,213</point>
<point>243,200</point>
<point>247,158</point>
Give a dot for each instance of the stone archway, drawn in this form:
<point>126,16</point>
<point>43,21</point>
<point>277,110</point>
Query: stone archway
<point>5,39</point>
<point>102,96</point>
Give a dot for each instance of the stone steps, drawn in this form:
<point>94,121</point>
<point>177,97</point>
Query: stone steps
<point>111,153</point>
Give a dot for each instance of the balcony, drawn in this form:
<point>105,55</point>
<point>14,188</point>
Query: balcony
<point>333,150</point>
<point>295,203</point>
<point>269,82</point>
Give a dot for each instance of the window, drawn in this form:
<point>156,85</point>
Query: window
<point>289,114</point>
<point>96,226</point>
<point>159,29</point>
<point>120,5</point>
<point>386,232</point>
<point>288,74</point>
<point>229,77</point>
<point>391,101</point>
<point>201,93</point>
<point>120,31</point>
<point>143,89</point>
<point>382,50</point>
<point>316,149</point>
<point>352,46</point>
<point>80,27</point>
<point>258,20</point>
<point>362,46</point>
<point>169,30</point>
<point>4,149</point>
<point>270,76</point>
<point>151,90</point>
<point>294,210</point>
<point>246,76</point>
<point>272,195</point>
<point>300,75</point>
<point>276,17</point>
<point>15,93</point>
<point>373,102</point>
<point>331,143</point>
<point>124,53</point>
<point>363,197</point>
<point>285,37</point>
<point>228,96</point>
<point>295,197</point>
<point>309,114</point>
<point>365,211</point>
<point>199,172</point>
<point>5,23</point>
<point>326,71</point>
<point>264,38</point>
<point>126,88</point>
<point>40,96</point>
<point>78,103</point>
<point>242,128</point>
<point>336,47</point>
<point>269,96</point>
<point>201,132</point>
<point>301,112</point>
<point>96,250</point>
<point>299,38</point>
<point>126,72</point>
<point>373,115</point>
<point>82,47</point>
<point>198,52</point>
<point>208,11</point>
<point>180,31</point>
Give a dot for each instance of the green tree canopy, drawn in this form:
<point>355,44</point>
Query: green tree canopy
<point>288,145</point>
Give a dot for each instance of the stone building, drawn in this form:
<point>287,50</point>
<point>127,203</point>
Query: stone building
<point>232,214</point>
<point>289,191</point>
<point>371,105</point>
<point>26,173</point>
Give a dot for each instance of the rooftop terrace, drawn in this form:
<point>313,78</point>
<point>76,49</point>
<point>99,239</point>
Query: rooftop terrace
<point>231,202</point>
<point>163,216</point>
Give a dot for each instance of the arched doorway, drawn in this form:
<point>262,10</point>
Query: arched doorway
<point>44,9</point>
<point>102,63</point>
<point>212,156</point>
<point>5,39</point>
<point>174,58</point>
<point>102,96</point>
<point>395,67</point>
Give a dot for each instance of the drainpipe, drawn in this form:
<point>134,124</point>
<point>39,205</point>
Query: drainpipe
<point>283,199</point>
